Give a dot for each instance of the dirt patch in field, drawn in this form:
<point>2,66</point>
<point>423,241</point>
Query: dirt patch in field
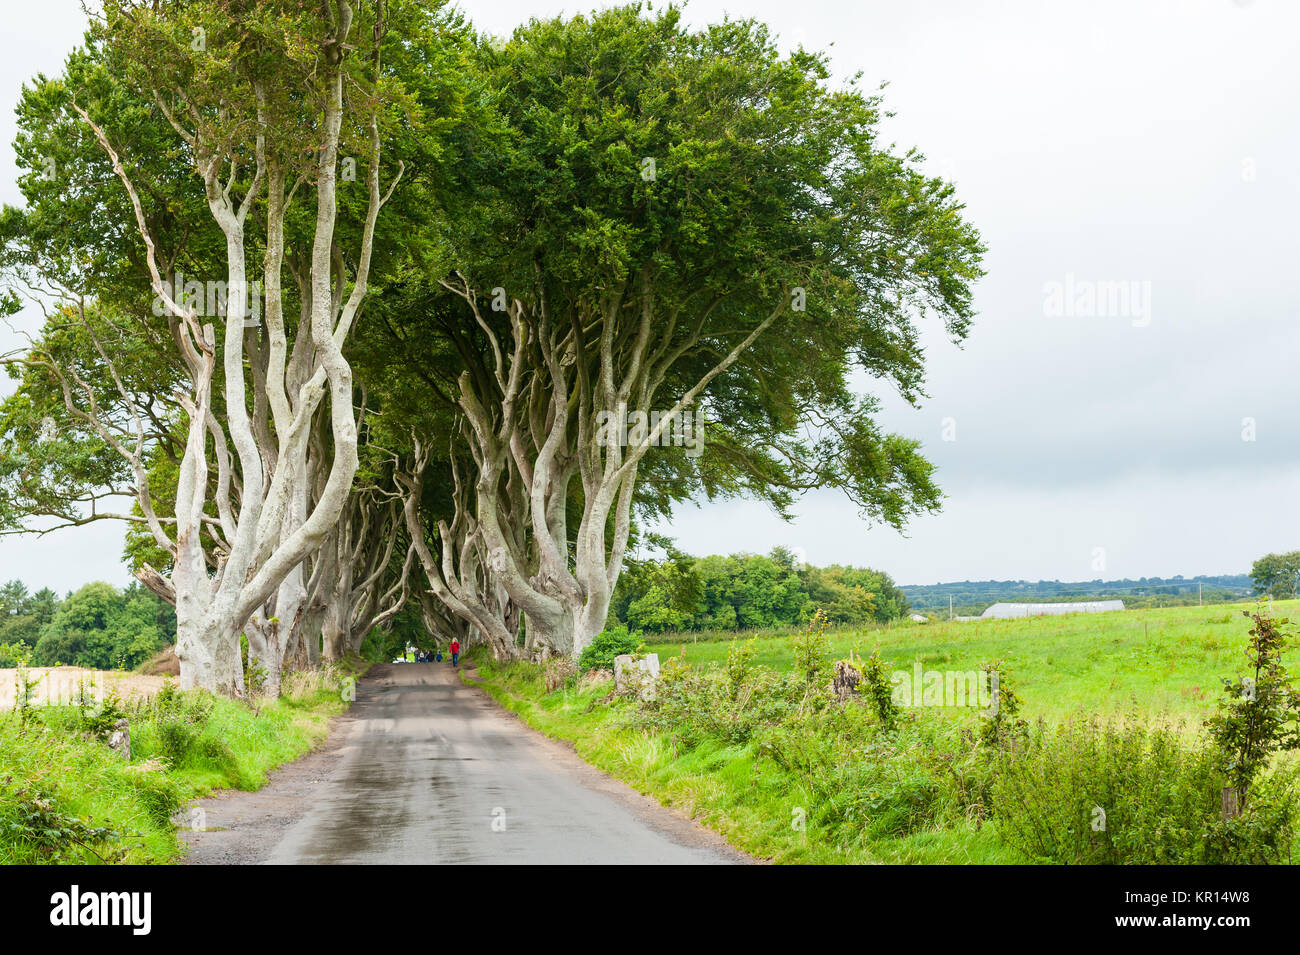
<point>62,685</point>
<point>164,663</point>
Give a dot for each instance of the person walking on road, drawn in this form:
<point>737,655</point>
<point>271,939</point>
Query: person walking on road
<point>455,652</point>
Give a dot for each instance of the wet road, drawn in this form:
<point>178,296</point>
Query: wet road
<point>427,770</point>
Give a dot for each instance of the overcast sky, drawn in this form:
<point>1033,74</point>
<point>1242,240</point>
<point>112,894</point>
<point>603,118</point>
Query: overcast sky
<point>1142,146</point>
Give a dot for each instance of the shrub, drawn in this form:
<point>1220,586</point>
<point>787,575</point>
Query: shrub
<point>1259,715</point>
<point>740,666</point>
<point>812,650</point>
<point>600,653</point>
<point>36,824</point>
<point>176,739</point>
<point>876,673</point>
<point>179,719</point>
<point>14,655</point>
<point>728,704</point>
<point>1264,832</point>
<point>98,717</point>
<point>1001,725</point>
<point>864,780</point>
<point>158,792</point>
<point>1092,792</point>
<point>868,782</point>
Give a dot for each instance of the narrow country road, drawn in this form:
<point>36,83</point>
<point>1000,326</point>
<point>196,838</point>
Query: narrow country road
<point>423,770</point>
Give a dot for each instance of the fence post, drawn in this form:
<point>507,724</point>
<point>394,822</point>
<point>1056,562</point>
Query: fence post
<point>1231,805</point>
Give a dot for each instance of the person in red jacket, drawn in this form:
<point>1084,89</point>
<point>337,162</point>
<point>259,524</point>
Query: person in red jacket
<point>455,652</point>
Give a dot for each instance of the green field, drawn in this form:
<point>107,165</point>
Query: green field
<point>1168,660</point>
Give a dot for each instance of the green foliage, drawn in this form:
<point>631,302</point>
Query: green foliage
<point>868,776</point>
<point>38,829</point>
<point>179,720</point>
<point>749,591</point>
<point>14,655</point>
<point>1263,833</point>
<point>729,705</point>
<point>98,717</point>
<point>868,782</point>
<point>1131,792</point>
<point>24,690</point>
<point>854,594</point>
<point>682,593</point>
<point>777,219</point>
<point>254,672</point>
<point>96,626</point>
<point>21,617</point>
<point>610,643</point>
<point>1259,715</point>
<point>1277,575</point>
<point>879,688</point>
<point>739,667</point>
<point>1000,723</point>
<point>62,788</point>
<point>812,652</point>
<point>864,779</point>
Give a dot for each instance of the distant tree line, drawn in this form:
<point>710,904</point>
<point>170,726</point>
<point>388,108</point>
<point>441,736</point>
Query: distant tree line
<point>746,591</point>
<point>972,597</point>
<point>97,626</point>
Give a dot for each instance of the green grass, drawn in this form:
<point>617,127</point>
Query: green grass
<point>243,746</point>
<point>1168,660</point>
<point>79,778</point>
<point>88,782</point>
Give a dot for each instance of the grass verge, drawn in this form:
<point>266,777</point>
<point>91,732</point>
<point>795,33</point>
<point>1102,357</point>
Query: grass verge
<point>66,797</point>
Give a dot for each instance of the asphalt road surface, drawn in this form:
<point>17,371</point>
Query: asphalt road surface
<point>425,769</point>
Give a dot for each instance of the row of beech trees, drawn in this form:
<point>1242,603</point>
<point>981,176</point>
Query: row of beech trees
<point>343,298</point>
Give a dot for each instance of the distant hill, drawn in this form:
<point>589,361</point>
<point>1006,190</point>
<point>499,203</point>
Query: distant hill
<point>971,597</point>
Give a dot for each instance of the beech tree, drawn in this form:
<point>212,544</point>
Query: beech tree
<point>254,95</point>
<point>679,227</point>
<point>1277,575</point>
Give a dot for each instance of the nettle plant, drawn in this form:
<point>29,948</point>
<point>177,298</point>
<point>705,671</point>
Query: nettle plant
<point>1259,715</point>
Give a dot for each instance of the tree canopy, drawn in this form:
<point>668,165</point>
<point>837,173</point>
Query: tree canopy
<point>484,305</point>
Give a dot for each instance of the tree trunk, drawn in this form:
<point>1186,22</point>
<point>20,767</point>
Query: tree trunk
<point>335,631</point>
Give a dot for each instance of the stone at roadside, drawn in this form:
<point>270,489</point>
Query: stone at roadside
<point>636,675</point>
<point>120,740</point>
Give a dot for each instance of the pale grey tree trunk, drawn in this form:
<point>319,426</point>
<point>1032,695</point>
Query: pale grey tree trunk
<point>259,547</point>
<point>535,432</point>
